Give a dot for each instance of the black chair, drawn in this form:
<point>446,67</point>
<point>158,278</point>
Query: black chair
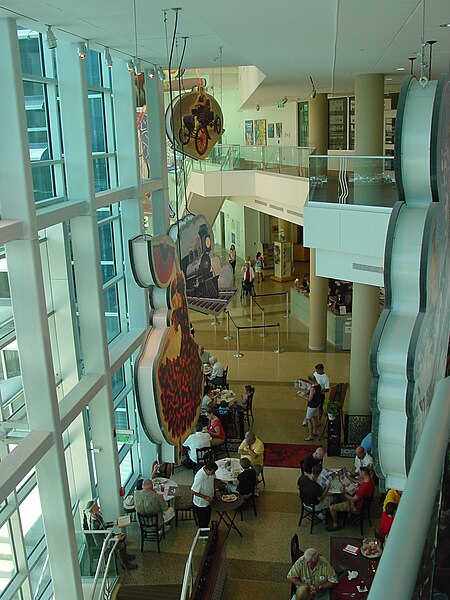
<point>204,455</point>
<point>248,410</point>
<point>358,517</point>
<point>221,450</point>
<point>296,553</point>
<point>301,467</point>
<point>184,509</point>
<point>222,383</point>
<point>151,530</point>
<point>309,512</point>
<point>249,500</point>
<point>261,475</point>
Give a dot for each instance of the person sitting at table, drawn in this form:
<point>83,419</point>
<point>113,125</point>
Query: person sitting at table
<point>253,449</point>
<point>314,571</point>
<point>353,503</point>
<point>366,443</point>
<point>392,496</point>
<point>214,428</point>
<point>241,404</point>
<point>246,480</point>
<point>224,409</point>
<point>302,593</point>
<point>149,502</point>
<point>97,523</point>
<point>387,519</point>
<point>209,400</point>
<point>161,470</point>
<point>362,459</point>
<point>311,492</point>
<point>199,439</point>
<point>204,492</point>
<point>315,458</point>
<point>216,375</point>
<point>204,355</point>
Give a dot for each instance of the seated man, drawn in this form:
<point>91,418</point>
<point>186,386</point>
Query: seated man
<point>253,449</point>
<point>362,459</point>
<point>315,571</point>
<point>161,470</point>
<point>311,492</point>
<point>208,400</point>
<point>204,355</point>
<point>216,375</point>
<point>246,480</point>
<point>199,439</point>
<point>353,503</point>
<point>96,522</point>
<point>316,458</point>
<point>392,496</point>
<point>387,519</point>
<point>148,502</point>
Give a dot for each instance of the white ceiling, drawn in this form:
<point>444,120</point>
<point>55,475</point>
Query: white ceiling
<point>332,40</point>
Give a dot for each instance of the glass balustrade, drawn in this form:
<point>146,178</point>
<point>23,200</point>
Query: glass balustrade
<point>356,180</point>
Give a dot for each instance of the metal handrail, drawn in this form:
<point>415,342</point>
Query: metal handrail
<point>264,327</point>
<point>259,306</point>
<point>286,293</point>
<point>102,554</point>
<point>188,567</point>
<point>397,571</point>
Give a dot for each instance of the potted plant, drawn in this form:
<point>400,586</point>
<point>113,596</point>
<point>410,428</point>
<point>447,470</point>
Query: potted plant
<point>333,408</point>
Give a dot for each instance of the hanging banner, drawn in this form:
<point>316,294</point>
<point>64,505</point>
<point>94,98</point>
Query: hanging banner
<point>194,123</point>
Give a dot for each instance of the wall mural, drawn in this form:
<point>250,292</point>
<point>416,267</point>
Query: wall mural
<point>408,354</point>
<point>168,371</point>
<point>209,282</point>
<point>194,123</point>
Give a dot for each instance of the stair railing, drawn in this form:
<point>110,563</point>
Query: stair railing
<point>189,575</point>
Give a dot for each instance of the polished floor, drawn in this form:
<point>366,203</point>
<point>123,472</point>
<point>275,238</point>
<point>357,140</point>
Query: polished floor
<point>257,563</point>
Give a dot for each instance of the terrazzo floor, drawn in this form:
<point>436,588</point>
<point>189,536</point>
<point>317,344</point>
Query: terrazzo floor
<point>259,561</point>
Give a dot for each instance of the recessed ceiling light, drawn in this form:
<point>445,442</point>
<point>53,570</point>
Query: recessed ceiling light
<point>400,69</point>
<point>388,78</point>
<point>445,25</point>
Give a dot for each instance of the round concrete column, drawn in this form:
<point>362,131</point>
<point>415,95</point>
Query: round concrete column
<point>318,123</point>
<point>365,314</point>
<point>369,114</point>
<point>318,294</point>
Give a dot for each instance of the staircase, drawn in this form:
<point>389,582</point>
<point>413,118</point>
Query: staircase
<point>148,592</point>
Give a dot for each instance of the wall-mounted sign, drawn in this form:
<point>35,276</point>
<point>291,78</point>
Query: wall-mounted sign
<point>194,123</point>
<point>168,371</point>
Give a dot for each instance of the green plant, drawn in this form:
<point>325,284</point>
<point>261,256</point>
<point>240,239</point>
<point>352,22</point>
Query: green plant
<point>333,407</point>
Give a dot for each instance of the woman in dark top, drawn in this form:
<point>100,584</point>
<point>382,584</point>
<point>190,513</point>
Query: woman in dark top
<point>315,399</point>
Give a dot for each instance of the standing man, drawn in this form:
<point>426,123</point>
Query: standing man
<point>204,491</point>
<point>314,571</point>
<point>253,449</point>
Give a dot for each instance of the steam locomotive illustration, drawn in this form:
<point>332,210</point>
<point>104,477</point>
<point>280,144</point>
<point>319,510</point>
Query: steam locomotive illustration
<point>200,278</point>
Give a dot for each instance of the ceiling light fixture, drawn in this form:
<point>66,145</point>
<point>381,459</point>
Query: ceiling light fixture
<point>161,74</point>
<point>430,43</point>
<point>130,66</point>
<point>445,25</point>
<point>151,73</point>
<point>82,50</point>
<point>137,67</point>
<point>313,93</point>
<point>108,59</point>
<point>52,42</point>
<point>412,59</point>
<point>400,69</point>
<point>257,107</point>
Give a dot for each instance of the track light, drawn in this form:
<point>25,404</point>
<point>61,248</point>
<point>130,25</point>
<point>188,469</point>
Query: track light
<point>130,66</point>
<point>108,59</point>
<point>257,107</point>
<point>161,74</point>
<point>137,67</point>
<point>151,73</point>
<point>52,42</point>
<point>313,93</point>
<point>82,50</point>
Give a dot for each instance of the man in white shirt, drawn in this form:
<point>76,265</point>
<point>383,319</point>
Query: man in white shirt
<point>199,439</point>
<point>362,459</point>
<point>204,491</point>
<point>216,374</point>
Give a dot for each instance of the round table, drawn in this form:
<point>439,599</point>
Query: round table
<point>222,508</point>
<point>169,486</point>
<point>230,399</point>
<point>223,474</point>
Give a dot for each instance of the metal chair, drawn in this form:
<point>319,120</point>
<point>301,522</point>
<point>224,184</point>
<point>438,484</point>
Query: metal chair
<point>309,512</point>
<point>204,455</point>
<point>248,410</point>
<point>249,500</point>
<point>151,530</point>
<point>184,509</point>
<point>296,553</point>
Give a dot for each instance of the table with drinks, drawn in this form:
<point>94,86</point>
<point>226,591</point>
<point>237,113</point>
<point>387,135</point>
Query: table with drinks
<point>357,559</point>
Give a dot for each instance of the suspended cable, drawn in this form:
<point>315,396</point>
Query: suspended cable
<point>181,121</point>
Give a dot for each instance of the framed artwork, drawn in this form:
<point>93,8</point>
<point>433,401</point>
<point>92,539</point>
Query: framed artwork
<point>279,129</point>
<point>249,140</point>
<point>260,133</point>
<point>270,130</point>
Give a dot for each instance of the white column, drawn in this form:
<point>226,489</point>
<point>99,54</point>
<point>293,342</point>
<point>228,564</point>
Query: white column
<point>88,280</point>
<point>33,340</point>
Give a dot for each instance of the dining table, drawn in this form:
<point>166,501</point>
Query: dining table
<point>167,488</point>
<point>228,473</point>
<point>228,395</point>
<point>345,563</point>
<point>227,511</point>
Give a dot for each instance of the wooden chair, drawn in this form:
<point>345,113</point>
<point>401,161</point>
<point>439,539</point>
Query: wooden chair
<point>248,410</point>
<point>204,455</point>
<point>309,512</point>
<point>249,500</point>
<point>262,480</point>
<point>184,509</point>
<point>296,553</point>
<point>364,513</point>
<point>151,530</point>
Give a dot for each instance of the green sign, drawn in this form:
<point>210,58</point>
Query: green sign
<point>280,105</point>
<point>125,438</point>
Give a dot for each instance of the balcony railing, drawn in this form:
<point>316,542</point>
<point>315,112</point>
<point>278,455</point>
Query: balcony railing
<point>286,160</point>
<point>357,180</point>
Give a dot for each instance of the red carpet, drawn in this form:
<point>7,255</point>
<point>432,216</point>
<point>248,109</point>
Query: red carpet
<point>286,455</point>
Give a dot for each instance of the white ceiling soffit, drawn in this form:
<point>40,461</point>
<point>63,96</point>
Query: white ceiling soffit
<point>332,40</point>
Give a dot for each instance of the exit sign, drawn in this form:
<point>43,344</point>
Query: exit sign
<point>280,105</point>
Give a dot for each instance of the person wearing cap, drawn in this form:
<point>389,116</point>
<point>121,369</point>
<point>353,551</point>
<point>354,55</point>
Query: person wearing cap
<point>97,523</point>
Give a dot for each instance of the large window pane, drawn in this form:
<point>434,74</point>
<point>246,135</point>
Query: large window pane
<point>7,560</point>
<point>118,382</point>
<point>112,313</point>
<point>121,415</point>
<point>40,577</point>
<point>101,174</point>
<point>106,240</point>
<point>31,519</point>
<point>30,51</point>
<point>93,68</point>
<point>43,183</point>
<point>126,468</point>
<point>97,122</point>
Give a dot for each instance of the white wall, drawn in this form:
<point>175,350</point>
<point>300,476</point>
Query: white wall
<point>234,223</point>
<point>287,116</point>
